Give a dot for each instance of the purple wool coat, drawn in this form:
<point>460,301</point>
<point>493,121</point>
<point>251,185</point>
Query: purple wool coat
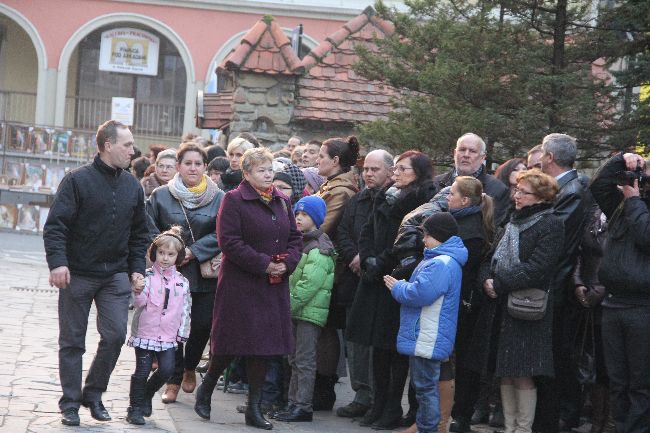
<point>251,316</point>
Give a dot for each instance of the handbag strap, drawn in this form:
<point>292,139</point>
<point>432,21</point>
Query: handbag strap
<point>189,226</point>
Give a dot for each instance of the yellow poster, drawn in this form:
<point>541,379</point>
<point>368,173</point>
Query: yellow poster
<point>130,51</point>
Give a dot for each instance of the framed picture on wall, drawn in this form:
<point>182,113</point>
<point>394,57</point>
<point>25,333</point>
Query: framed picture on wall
<point>34,176</point>
<point>40,140</point>
<point>60,142</point>
<point>8,215</point>
<point>18,138</point>
<point>28,217</point>
<point>79,144</point>
<point>14,172</point>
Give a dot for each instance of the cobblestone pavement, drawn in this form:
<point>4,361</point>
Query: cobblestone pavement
<point>29,382</point>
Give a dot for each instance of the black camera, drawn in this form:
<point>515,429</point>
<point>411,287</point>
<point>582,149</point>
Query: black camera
<point>628,177</point>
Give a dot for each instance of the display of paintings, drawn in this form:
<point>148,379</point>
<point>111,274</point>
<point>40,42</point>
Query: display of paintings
<point>42,218</point>
<point>8,214</point>
<point>28,217</point>
<point>40,139</point>
<point>2,135</point>
<point>14,171</point>
<point>34,176</point>
<point>19,138</point>
<point>53,176</point>
<point>79,144</point>
<point>60,142</point>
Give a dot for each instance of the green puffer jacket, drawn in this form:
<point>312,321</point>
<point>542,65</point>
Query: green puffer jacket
<point>311,282</point>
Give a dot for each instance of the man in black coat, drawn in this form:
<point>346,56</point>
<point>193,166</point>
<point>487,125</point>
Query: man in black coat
<point>559,399</point>
<point>626,308</point>
<point>95,243</point>
<point>469,159</point>
<point>377,171</point>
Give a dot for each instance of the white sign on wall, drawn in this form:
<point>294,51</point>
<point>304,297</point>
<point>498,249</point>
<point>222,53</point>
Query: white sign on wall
<point>122,110</point>
<point>130,51</point>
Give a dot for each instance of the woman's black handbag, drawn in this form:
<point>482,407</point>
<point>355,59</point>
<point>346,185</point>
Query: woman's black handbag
<point>527,304</point>
<point>585,350</point>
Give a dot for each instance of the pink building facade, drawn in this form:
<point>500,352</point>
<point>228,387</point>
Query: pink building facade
<point>49,49</point>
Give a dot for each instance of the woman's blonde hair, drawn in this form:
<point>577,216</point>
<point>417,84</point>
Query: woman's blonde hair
<point>472,188</point>
<point>255,156</point>
<point>543,185</point>
<point>237,143</point>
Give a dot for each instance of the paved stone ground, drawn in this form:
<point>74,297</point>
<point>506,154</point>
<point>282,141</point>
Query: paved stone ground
<point>29,382</point>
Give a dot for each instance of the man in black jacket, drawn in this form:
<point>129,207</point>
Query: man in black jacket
<point>377,171</point>
<point>558,404</point>
<point>469,159</point>
<point>95,240</point>
<point>626,308</point>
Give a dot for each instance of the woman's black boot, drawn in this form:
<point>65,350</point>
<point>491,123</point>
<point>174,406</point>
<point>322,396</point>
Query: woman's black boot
<point>254,416</point>
<point>204,396</point>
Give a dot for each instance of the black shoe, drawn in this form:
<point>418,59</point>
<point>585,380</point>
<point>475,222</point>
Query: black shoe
<point>202,406</point>
<point>97,410</point>
<point>370,418</point>
<point>496,419</point>
<point>387,423</point>
<point>70,416</point>
<point>134,415</point>
<point>202,367</point>
<point>480,416</point>
<point>460,425</point>
<point>352,410</point>
<point>295,415</point>
<point>254,416</point>
<point>409,419</point>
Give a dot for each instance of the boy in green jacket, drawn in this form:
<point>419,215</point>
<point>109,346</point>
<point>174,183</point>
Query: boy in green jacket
<point>311,287</point>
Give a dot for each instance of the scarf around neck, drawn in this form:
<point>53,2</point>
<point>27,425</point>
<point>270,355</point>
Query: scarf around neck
<point>464,211</point>
<point>194,197</point>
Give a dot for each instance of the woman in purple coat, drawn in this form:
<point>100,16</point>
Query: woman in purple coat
<point>261,247</point>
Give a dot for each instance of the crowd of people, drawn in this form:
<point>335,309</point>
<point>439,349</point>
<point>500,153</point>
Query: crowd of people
<point>519,299</point>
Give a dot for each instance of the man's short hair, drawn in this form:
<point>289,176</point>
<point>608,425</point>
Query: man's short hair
<point>474,136</point>
<point>387,157</point>
<point>296,138</point>
<point>107,131</point>
<point>563,147</point>
<point>535,149</point>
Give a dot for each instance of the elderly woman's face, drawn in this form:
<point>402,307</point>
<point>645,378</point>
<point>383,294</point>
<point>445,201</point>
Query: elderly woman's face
<point>191,168</point>
<point>166,169</point>
<point>525,195</point>
<point>260,176</point>
<point>404,174</point>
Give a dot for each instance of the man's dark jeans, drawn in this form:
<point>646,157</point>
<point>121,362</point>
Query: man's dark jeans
<point>626,344</point>
<point>111,296</point>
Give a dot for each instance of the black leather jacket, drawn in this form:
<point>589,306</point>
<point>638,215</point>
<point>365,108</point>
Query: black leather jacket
<point>163,211</point>
<point>572,205</point>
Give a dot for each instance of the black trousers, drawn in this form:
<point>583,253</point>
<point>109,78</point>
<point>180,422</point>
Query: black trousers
<point>626,344</point>
<point>468,382</point>
<point>188,355</point>
<point>390,370</point>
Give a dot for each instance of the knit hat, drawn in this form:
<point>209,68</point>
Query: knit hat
<point>314,179</point>
<point>294,177</point>
<point>313,206</point>
<point>284,177</point>
<point>441,226</point>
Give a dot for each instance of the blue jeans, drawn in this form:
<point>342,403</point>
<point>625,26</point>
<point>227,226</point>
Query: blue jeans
<point>424,377</point>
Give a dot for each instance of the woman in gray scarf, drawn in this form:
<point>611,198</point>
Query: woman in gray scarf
<point>525,258</point>
<point>190,200</point>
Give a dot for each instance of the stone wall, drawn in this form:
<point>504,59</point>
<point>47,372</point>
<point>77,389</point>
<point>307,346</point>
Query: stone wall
<point>263,105</point>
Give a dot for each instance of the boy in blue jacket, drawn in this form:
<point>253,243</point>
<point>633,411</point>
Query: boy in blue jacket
<point>429,312</point>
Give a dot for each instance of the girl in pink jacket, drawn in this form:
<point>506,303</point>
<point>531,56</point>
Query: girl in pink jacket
<point>161,319</point>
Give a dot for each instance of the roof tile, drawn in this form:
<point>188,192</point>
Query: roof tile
<point>338,36</point>
<point>356,23</point>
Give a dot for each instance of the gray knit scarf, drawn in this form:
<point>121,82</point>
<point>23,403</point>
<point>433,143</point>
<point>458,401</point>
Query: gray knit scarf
<point>506,256</point>
<point>189,199</point>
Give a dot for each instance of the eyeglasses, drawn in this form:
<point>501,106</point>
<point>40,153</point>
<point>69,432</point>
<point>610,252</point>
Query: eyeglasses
<point>522,192</point>
<point>164,167</point>
<point>401,168</point>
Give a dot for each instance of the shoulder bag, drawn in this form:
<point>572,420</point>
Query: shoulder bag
<point>527,304</point>
<point>209,268</point>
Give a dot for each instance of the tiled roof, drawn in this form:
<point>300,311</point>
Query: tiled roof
<point>264,49</point>
<point>330,90</point>
<point>216,111</point>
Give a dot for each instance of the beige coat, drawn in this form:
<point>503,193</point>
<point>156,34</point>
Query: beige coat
<point>336,192</point>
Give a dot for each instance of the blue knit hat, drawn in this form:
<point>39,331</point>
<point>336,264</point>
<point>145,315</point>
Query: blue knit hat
<point>313,206</point>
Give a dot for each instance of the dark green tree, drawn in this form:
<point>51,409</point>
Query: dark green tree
<point>511,71</point>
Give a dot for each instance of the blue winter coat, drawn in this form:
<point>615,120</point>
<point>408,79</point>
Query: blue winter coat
<point>429,302</point>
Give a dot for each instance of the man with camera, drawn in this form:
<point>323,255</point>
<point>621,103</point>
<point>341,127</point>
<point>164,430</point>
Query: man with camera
<point>620,188</point>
